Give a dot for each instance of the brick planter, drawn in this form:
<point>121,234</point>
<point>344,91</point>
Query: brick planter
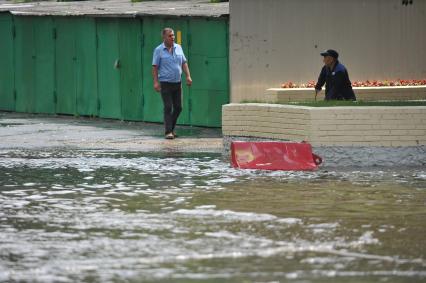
<point>362,93</point>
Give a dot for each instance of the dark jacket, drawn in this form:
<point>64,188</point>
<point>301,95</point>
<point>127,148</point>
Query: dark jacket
<point>337,83</point>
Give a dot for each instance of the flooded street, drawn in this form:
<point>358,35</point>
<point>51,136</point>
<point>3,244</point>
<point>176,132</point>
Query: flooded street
<point>92,200</point>
<point>108,216</point>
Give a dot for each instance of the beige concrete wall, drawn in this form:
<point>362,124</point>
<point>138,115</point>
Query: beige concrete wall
<point>328,126</point>
<point>282,95</point>
<point>273,41</point>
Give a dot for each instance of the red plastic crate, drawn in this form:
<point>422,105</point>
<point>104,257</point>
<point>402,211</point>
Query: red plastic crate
<point>288,156</point>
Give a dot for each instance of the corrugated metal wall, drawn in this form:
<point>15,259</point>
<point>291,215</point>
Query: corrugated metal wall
<point>7,74</point>
<point>209,57</point>
<point>76,66</point>
<point>102,66</point>
<point>273,41</point>
<point>34,65</point>
<point>120,68</point>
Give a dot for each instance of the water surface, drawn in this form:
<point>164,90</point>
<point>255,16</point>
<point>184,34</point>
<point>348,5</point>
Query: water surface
<point>98,216</point>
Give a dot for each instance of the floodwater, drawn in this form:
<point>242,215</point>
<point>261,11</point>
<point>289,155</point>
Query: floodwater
<point>98,216</point>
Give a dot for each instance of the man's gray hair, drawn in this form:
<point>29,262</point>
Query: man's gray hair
<point>166,30</point>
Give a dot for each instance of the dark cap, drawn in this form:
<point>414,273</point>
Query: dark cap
<point>330,52</point>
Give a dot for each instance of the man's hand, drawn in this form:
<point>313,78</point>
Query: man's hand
<point>185,69</point>
<point>157,87</point>
<point>188,81</point>
<point>316,93</point>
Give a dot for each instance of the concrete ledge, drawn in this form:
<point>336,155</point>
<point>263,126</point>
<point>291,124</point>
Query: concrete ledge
<point>328,126</point>
<point>279,95</point>
<point>344,136</point>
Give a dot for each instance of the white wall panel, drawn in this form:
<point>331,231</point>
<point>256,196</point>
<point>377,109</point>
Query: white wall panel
<point>272,41</point>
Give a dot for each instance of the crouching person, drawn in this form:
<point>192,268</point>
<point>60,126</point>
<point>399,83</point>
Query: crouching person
<point>335,77</point>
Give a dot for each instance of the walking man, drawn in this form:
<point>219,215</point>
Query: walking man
<point>335,77</point>
<point>167,65</point>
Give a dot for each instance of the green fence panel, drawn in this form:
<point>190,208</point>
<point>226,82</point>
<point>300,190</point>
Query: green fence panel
<point>209,37</point>
<point>131,69</point>
<point>44,68</point>
<point>206,108</point>
<point>109,68</point>
<point>86,64</point>
<point>65,66</point>
<point>76,78</point>
<point>103,67</point>
<point>7,72</point>
<point>209,73</point>
<point>209,69</point>
<point>153,105</point>
<point>34,65</point>
<point>24,64</point>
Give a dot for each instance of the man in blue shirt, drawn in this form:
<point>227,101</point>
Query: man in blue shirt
<point>335,77</point>
<point>167,65</point>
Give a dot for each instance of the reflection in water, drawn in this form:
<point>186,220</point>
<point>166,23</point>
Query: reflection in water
<point>110,217</point>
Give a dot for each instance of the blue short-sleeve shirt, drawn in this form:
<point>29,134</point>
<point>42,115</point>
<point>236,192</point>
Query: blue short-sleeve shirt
<point>169,64</point>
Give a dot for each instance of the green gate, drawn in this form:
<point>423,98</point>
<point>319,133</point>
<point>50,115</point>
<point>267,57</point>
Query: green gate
<point>76,79</point>
<point>34,65</point>
<point>102,66</point>
<point>131,69</point>
<point>24,64</point>
<point>7,72</point>
<point>108,69</point>
<point>209,69</point>
<point>119,68</point>
<point>153,105</point>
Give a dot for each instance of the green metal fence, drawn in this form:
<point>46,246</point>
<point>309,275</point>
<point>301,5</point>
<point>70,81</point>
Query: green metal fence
<point>120,68</point>
<point>102,66</point>
<point>34,64</point>
<point>209,66</point>
<point>7,74</point>
<point>76,66</point>
<point>152,107</point>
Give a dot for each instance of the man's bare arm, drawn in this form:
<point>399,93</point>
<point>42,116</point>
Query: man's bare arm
<point>187,74</point>
<point>155,77</point>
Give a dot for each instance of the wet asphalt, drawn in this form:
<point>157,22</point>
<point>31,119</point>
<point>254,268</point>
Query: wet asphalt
<point>36,131</point>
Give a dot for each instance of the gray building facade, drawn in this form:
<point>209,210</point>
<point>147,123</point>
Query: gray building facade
<point>273,41</point>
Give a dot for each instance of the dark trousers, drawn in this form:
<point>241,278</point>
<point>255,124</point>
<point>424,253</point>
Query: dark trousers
<point>172,101</point>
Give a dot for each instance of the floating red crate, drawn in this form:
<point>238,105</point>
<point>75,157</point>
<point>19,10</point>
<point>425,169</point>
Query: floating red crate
<point>289,156</point>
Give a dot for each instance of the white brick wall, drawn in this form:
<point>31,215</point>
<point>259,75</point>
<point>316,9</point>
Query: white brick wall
<point>343,126</point>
